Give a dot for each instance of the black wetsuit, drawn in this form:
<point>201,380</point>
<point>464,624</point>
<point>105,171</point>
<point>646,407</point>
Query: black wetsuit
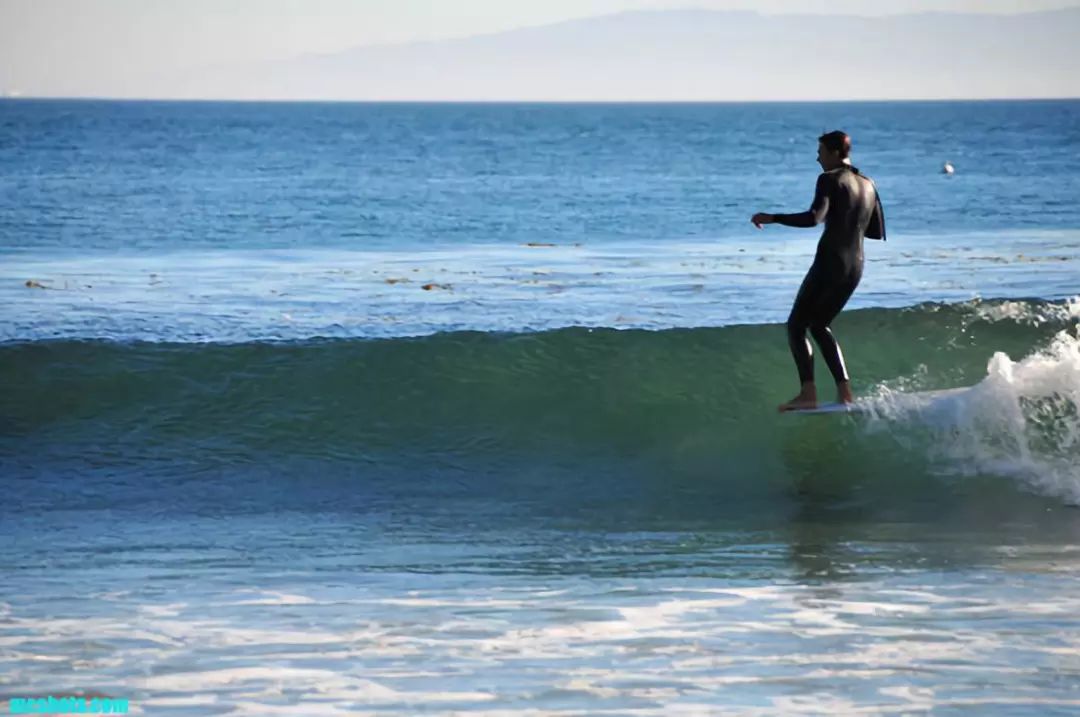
<point>849,205</point>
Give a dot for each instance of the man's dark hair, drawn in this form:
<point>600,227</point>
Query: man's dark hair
<point>837,141</point>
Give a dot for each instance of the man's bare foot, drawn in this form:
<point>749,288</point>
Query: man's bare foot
<point>843,392</point>
<point>807,398</point>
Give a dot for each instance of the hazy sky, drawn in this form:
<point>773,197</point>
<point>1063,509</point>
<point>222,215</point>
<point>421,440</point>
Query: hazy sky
<point>57,46</point>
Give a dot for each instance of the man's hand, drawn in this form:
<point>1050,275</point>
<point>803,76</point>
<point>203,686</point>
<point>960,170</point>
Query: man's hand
<point>761,218</point>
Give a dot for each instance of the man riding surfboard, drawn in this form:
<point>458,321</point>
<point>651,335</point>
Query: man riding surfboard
<point>848,203</point>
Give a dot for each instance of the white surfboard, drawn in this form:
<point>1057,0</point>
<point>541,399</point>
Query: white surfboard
<point>867,405</point>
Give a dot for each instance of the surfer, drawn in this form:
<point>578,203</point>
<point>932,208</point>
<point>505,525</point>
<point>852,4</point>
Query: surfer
<point>847,201</point>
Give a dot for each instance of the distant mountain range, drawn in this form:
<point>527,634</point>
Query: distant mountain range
<point>689,55</point>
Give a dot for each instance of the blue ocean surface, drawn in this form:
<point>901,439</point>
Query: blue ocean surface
<point>470,408</point>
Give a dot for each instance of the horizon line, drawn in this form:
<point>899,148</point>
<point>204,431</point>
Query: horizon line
<point>209,100</point>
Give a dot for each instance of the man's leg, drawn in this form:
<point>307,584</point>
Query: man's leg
<point>834,359</point>
<point>827,310</point>
<point>797,324</point>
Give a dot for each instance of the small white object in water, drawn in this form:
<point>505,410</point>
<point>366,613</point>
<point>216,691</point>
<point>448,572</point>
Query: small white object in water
<point>948,168</point>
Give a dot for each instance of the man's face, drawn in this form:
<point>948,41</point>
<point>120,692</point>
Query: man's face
<point>827,157</point>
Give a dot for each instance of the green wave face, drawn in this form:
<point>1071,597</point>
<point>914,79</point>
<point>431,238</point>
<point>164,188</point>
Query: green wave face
<point>693,406</point>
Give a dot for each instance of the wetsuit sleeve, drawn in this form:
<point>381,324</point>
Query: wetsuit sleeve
<point>818,210</point>
<point>876,228</point>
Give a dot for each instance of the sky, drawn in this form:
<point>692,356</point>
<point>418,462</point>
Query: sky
<point>73,46</point>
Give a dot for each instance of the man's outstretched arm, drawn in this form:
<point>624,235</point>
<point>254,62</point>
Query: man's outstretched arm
<point>819,209</point>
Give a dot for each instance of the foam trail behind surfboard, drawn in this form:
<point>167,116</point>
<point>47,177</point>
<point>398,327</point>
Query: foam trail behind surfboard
<point>919,399</point>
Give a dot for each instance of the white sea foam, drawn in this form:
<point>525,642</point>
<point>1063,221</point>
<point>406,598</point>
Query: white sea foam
<point>1021,421</point>
<point>274,598</point>
<point>1034,313</point>
<point>673,650</point>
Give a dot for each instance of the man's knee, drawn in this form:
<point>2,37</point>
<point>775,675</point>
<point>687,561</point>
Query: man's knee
<point>797,325</point>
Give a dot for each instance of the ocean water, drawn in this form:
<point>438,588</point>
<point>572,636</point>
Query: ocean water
<point>347,409</point>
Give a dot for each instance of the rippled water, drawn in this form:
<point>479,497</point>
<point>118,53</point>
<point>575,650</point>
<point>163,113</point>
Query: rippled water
<point>399,409</point>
